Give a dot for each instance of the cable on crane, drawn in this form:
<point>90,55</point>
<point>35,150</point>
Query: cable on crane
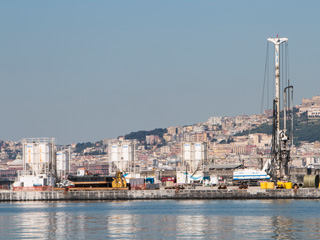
<point>265,77</point>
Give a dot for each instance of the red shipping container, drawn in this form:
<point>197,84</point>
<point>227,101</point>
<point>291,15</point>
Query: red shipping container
<point>137,184</point>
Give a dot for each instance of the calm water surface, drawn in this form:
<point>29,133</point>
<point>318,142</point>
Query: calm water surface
<point>230,219</point>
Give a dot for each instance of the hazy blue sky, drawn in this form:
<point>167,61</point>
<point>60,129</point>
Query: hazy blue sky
<point>88,70</point>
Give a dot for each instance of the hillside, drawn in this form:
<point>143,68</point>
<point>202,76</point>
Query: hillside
<point>141,135</point>
<point>304,129</point>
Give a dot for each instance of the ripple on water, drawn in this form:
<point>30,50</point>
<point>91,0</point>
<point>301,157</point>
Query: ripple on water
<point>230,219</point>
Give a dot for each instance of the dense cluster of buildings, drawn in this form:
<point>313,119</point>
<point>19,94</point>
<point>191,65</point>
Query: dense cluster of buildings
<point>220,135</point>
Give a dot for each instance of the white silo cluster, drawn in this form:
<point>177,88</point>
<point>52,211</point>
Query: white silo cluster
<point>194,154</point>
<point>39,163</point>
<point>121,155</point>
<point>38,155</point>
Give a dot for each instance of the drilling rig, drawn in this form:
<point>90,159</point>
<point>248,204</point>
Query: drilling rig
<point>278,165</point>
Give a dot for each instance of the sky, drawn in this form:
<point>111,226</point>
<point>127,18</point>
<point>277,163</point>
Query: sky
<point>84,71</point>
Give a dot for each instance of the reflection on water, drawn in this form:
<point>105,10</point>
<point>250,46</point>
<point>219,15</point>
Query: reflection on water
<point>255,219</point>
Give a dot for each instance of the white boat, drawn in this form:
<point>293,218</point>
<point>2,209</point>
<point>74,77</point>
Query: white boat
<point>250,174</point>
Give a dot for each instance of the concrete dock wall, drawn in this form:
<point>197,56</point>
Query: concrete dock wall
<point>161,194</point>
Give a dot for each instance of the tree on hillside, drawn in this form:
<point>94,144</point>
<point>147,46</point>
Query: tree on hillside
<point>81,146</point>
<point>141,135</point>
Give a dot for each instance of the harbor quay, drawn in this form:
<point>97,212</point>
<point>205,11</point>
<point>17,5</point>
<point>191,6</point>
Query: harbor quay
<point>192,194</point>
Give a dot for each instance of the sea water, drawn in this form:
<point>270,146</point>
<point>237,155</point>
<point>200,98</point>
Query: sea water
<point>163,219</point>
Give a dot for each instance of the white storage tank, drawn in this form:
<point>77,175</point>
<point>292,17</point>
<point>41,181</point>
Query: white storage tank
<point>187,151</point>
<point>63,158</point>
<point>127,152</point>
<point>114,153</point>
<point>45,152</point>
<point>28,153</point>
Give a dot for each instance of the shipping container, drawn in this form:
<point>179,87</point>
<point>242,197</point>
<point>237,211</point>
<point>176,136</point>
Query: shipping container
<point>166,179</point>
<point>150,180</point>
<point>137,184</point>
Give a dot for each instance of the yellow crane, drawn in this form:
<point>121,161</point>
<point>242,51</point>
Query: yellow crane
<point>119,181</point>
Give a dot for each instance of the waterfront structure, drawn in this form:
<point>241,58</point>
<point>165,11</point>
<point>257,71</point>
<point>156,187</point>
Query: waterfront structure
<point>121,155</point>
<point>39,163</point>
<point>278,168</point>
<point>194,154</point>
<point>39,155</point>
<point>63,158</point>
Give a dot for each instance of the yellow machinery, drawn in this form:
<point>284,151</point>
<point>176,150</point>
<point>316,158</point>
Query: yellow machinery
<point>119,181</point>
<point>280,185</point>
<point>263,185</point>
<point>284,185</point>
<point>288,185</point>
<point>270,185</point>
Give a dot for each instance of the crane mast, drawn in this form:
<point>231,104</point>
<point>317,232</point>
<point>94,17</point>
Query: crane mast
<point>279,170</point>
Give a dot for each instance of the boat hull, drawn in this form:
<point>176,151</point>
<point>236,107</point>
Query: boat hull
<point>248,174</point>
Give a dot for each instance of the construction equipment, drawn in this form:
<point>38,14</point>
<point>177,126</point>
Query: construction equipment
<point>243,185</point>
<point>278,166</point>
<point>119,181</point>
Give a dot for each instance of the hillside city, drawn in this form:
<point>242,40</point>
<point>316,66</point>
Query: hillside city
<point>162,148</point>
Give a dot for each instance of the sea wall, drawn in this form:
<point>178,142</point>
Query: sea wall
<point>161,194</point>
